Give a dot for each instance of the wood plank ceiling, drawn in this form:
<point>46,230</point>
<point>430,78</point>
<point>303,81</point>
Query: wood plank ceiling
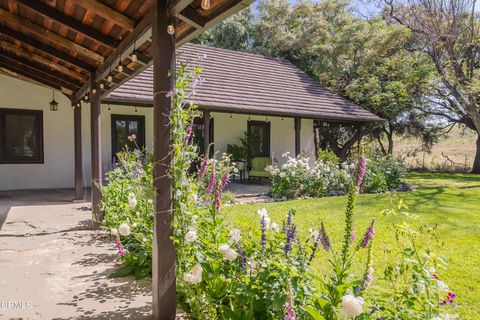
<point>63,43</point>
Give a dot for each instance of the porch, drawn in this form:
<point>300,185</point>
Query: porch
<point>56,267</point>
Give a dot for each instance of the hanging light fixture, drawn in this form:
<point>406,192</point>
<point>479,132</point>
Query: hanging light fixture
<point>120,67</point>
<point>133,56</point>
<point>109,78</point>
<point>102,86</point>
<point>205,4</point>
<point>53,103</point>
<point>170,29</point>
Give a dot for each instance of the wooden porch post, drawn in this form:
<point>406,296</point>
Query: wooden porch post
<point>95,129</point>
<point>77,128</point>
<point>298,127</point>
<point>163,256</point>
<point>206,132</point>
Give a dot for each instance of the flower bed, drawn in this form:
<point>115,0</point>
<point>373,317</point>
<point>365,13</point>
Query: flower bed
<point>297,178</point>
<point>227,273</point>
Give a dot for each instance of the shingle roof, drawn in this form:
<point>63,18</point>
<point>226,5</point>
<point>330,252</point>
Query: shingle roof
<point>250,83</point>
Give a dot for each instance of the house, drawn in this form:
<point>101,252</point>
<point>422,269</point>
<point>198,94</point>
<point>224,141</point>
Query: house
<point>242,92</point>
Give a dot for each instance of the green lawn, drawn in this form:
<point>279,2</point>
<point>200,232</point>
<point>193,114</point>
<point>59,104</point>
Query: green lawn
<point>451,201</point>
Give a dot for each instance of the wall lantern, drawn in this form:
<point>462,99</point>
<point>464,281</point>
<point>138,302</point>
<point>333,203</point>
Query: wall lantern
<point>53,103</point>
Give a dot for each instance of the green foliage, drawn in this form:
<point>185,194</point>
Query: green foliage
<point>385,173</point>
<point>328,156</point>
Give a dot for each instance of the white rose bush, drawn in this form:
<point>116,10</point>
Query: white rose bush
<point>270,271</point>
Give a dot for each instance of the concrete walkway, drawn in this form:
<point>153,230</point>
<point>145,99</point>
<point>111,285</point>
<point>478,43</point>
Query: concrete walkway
<point>53,266</point>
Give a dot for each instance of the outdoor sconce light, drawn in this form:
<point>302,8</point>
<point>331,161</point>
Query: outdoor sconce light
<point>53,103</point>
<point>133,57</point>
<point>205,4</point>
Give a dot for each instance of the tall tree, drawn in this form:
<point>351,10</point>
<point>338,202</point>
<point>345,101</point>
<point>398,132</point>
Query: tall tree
<point>448,31</point>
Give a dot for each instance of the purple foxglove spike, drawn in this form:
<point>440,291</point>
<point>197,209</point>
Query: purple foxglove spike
<point>368,235</point>
<point>361,170</point>
<point>203,168</point>
<point>211,185</point>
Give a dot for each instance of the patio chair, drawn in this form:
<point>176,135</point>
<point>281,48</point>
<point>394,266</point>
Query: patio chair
<point>258,165</point>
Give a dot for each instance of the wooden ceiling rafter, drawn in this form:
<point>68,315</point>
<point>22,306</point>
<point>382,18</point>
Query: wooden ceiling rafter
<point>47,63</point>
<point>54,15</point>
<point>107,13</point>
<point>39,46</point>
<point>27,70</point>
<point>27,27</point>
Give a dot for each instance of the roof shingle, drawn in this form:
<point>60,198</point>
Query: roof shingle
<point>250,83</point>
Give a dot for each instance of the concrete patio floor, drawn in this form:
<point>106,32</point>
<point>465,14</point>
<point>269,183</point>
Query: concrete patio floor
<point>53,266</point>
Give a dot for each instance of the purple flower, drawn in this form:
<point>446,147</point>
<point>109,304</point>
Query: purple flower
<point>132,137</point>
<point>361,170</point>
<point>189,131</point>
<point>137,152</point>
<point>170,94</point>
<point>203,169</point>
<point>263,228</point>
<point>324,239</point>
<point>225,181</point>
<point>243,259</point>
<point>119,247</point>
<point>211,185</point>
<point>315,246</point>
<point>368,235</point>
<point>137,172</point>
<point>290,237</point>
<point>354,234</point>
<point>217,200</point>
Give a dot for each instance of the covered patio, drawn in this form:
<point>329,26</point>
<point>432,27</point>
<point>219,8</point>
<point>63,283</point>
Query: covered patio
<point>85,49</point>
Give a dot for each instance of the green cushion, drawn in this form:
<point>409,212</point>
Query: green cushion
<point>263,174</point>
<point>260,163</point>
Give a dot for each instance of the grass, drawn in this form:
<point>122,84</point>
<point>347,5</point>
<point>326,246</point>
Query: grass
<point>450,201</point>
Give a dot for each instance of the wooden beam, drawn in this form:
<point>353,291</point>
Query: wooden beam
<point>77,130</point>
<point>163,255</point>
<point>107,12</point>
<point>50,13</point>
<point>33,43</point>
<point>51,65</point>
<point>206,132</point>
<point>96,154</point>
<point>34,77</point>
<point>27,27</point>
<point>193,18</point>
<point>39,71</point>
<point>298,127</point>
<point>178,6</point>
<point>128,42</point>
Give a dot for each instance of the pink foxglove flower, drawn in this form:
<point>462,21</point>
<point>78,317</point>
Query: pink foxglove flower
<point>217,199</point>
<point>203,169</point>
<point>225,181</point>
<point>361,170</point>
<point>368,235</point>
<point>189,131</point>
<point>211,185</point>
<point>119,247</point>
<point>289,311</point>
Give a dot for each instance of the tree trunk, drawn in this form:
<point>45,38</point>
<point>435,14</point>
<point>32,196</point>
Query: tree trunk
<point>476,163</point>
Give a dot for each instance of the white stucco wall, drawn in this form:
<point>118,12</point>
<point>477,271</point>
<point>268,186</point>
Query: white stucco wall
<point>57,171</point>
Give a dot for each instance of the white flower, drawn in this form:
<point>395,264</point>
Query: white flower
<point>144,239</point>
<point>442,286</point>
<point>275,227</point>
<point>132,201</point>
<point>369,277</point>
<point>235,235</point>
<point>262,212</point>
<point>194,276</point>
<point>446,316</point>
<point>124,229</point>
<point>351,306</point>
<point>282,174</point>
<point>223,247</point>
<point>230,254</point>
<point>134,225</point>
<point>195,197</point>
<point>150,201</point>
<point>113,232</point>
<point>191,236</point>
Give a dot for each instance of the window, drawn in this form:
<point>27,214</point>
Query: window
<point>21,136</point>
<point>198,135</point>
<point>259,133</point>
<point>126,125</point>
